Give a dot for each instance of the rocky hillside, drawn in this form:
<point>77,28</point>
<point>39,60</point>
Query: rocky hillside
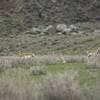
<point>17,16</point>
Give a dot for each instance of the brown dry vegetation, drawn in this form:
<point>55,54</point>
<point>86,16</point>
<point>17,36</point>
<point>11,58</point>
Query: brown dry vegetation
<point>58,87</point>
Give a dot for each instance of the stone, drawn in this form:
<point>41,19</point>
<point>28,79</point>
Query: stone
<point>59,33</point>
<point>35,30</point>
<point>73,28</point>
<point>67,30</point>
<point>61,27</point>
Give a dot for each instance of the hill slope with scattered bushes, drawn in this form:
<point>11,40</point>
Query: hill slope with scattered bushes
<point>20,15</point>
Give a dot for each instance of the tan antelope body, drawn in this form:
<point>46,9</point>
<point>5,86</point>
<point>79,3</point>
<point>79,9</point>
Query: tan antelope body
<point>93,58</point>
<point>58,56</point>
<point>61,58</point>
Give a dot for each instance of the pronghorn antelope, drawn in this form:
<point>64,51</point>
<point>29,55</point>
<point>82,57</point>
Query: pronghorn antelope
<point>59,57</point>
<point>26,56</point>
<point>93,57</point>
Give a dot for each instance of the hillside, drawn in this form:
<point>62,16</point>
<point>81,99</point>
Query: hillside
<point>74,43</point>
<point>20,15</point>
<point>49,49</point>
<point>16,17</point>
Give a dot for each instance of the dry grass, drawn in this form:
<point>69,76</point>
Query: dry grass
<point>11,60</point>
<point>74,58</point>
<point>16,90</point>
<point>53,87</point>
<point>62,87</point>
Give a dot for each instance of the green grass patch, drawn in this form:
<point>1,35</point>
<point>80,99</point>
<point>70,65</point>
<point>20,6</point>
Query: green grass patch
<point>85,76</point>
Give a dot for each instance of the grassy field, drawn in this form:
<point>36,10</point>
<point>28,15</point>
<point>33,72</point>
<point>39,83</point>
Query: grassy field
<point>46,68</point>
<point>26,80</point>
<point>85,75</point>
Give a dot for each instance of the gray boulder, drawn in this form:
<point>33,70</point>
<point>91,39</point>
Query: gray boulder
<point>67,30</point>
<point>73,28</point>
<point>61,27</point>
<point>35,30</point>
<point>59,33</point>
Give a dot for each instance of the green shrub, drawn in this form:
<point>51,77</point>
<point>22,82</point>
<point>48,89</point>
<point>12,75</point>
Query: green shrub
<point>37,70</point>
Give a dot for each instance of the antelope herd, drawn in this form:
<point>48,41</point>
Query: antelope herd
<point>93,57</point>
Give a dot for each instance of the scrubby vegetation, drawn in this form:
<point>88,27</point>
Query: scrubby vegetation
<point>72,80</point>
<point>20,15</point>
<point>48,50</point>
<point>49,43</point>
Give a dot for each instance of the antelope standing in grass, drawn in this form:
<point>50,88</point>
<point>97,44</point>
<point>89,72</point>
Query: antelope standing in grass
<point>93,57</point>
<point>59,57</point>
<point>26,56</point>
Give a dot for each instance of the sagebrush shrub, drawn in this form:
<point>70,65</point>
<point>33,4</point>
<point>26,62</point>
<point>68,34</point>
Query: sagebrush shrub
<point>61,87</point>
<point>16,90</point>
